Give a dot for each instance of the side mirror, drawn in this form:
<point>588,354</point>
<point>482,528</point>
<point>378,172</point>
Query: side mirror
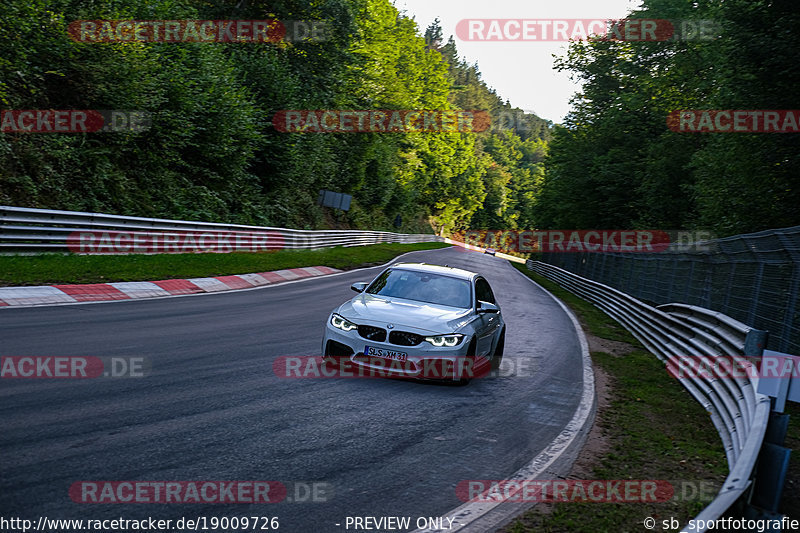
<point>359,287</point>
<point>486,307</point>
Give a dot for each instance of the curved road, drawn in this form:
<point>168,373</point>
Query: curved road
<point>212,409</point>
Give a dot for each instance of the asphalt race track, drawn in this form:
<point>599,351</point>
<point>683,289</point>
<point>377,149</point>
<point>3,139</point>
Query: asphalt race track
<point>212,408</point>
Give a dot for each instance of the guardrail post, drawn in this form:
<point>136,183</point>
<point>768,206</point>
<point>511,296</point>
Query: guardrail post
<point>754,343</point>
<point>773,459</point>
<point>771,469</point>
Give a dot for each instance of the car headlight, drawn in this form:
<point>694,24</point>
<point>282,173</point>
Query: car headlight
<point>340,322</point>
<point>445,340</point>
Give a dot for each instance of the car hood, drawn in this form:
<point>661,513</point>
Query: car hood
<point>420,315</point>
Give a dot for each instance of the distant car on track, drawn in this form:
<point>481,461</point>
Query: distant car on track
<point>490,251</point>
<point>418,320</point>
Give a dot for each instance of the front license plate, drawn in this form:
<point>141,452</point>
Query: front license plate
<point>386,354</point>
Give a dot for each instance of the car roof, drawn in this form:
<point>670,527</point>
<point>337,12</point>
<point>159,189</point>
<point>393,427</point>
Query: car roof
<point>435,269</point>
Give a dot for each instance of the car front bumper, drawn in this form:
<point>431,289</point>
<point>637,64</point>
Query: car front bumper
<point>423,361</point>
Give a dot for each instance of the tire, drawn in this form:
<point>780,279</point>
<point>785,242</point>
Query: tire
<point>497,356</point>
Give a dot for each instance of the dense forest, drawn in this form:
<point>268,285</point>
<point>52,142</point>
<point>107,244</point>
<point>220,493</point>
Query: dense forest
<point>616,164</point>
<point>212,153</point>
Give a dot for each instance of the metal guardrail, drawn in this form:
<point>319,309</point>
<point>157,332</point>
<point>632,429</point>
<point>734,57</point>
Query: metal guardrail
<point>27,230</point>
<point>676,332</point>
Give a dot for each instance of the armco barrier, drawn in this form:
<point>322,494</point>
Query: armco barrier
<point>672,331</point>
<point>753,278</point>
<point>26,230</point>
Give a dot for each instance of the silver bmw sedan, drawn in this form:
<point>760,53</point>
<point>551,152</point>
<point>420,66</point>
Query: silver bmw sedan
<point>419,321</point>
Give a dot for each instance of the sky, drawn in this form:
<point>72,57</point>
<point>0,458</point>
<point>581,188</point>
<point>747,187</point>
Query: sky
<point>521,72</point>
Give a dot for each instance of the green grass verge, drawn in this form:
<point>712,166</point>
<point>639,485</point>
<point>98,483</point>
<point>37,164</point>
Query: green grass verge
<point>47,269</point>
<point>654,430</point>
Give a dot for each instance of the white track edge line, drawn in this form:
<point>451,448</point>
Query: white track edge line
<point>473,511</point>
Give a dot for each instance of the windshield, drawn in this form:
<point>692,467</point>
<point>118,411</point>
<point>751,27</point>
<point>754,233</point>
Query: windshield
<point>423,287</point>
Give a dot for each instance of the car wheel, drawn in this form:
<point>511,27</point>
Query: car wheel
<point>497,356</point>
